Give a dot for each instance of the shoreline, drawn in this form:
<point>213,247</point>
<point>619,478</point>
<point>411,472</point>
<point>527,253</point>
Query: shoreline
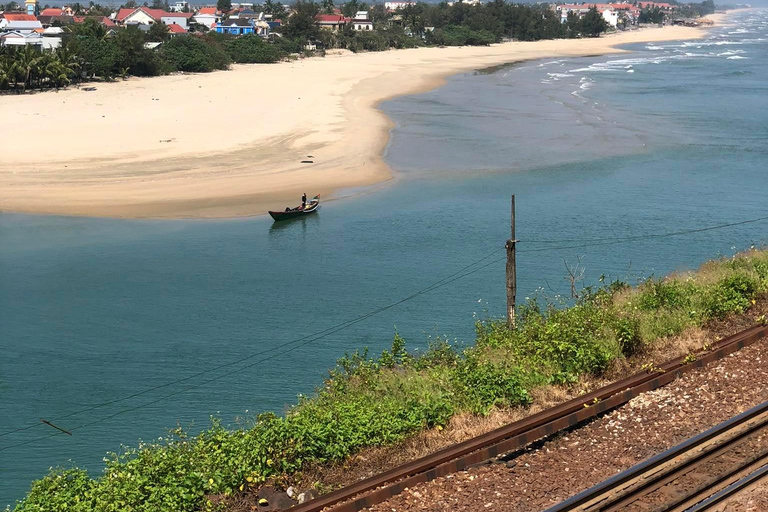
<point>230,144</point>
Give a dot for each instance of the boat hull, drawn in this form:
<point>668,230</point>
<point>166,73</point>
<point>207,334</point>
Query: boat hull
<point>292,214</point>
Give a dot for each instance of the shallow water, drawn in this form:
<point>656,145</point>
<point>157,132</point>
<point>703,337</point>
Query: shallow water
<point>94,310</point>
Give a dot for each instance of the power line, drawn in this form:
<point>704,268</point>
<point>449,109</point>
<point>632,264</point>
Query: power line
<point>648,236</point>
<point>310,337</point>
<point>300,342</point>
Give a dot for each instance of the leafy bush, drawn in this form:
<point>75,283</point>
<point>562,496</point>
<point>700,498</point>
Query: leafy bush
<point>367,41</point>
<point>453,35</point>
<point>485,385</point>
<point>251,49</point>
<point>658,294</point>
<point>194,55</point>
<point>730,295</point>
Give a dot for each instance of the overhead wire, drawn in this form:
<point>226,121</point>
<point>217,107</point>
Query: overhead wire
<point>310,338</point>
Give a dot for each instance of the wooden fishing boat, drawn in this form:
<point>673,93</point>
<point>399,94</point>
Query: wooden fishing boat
<point>291,213</point>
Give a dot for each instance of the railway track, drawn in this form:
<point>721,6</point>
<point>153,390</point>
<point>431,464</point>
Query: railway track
<point>514,436</point>
<point>699,474</point>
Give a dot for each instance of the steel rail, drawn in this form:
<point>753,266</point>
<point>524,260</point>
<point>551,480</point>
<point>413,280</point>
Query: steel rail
<point>730,491</point>
<point>718,484</point>
<point>630,485</point>
<point>378,488</point>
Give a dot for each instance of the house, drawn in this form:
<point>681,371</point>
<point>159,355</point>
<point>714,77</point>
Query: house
<point>53,12</point>
<point>236,27</point>
<point>393,6</point>
<point>175,30</point>
<point>139,15</point>
<point>361,21</point>
<point>179,7</point>
<point>147,16</point>
<point>207,16</point>
<point>18,38</point>
<point>333,22</point>
<point>19,22</point>
<point>651,5</point>
<point>611,17</point>
<point>177,18</point>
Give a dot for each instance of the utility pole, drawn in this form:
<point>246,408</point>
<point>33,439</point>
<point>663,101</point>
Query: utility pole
<point>511,271</point>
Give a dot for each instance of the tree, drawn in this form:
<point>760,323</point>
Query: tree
<point>133,57</point>
<point>328,6</point>
<point>593,24</point>
<point>158,32</point>
<point>250,49</point>
<point>89,28</point>
<point>275,8</point>
<point>224,5</point>
<point>130,4</point>
<point>350,8</point>
<point>28,61</point>
<point>99,56</point>
<point>378,14</point>
<point>301,24</point>
<point>195,54</point>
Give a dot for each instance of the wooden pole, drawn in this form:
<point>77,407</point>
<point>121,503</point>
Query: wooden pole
<point>511,271</point>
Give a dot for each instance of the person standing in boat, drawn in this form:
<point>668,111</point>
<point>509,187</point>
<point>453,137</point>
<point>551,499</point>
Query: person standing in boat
<point>304,201</point>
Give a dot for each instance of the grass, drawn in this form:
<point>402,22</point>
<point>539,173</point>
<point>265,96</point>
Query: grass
<point>392,398</point>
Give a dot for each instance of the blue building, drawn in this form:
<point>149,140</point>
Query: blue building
<point>236,27</point>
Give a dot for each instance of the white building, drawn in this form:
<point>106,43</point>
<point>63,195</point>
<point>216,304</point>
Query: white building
<point>179,18</point>
<point>207,16</point>
<point>361,21</point>
<point>393,6</point>
<point>20,22</point>
<point>179,6</point>
<point>611,16</point>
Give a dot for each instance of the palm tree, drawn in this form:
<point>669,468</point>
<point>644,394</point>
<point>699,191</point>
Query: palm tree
<point>71,62</point>
<point>28,62</point>
<point>5,71</point>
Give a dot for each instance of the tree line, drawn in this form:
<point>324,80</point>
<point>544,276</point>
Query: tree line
<point>438,24</point>
<point>89,51</point>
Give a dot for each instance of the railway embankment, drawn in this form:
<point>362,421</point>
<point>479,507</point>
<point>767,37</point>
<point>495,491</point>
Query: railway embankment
<point>576,460</point>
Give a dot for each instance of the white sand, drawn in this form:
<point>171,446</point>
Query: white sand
<point>230,143</point>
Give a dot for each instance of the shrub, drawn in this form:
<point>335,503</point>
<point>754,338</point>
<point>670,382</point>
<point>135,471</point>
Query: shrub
<point>453,35</point>
<point>194,54</point>
<point>485,385</point>
<point>730,295</point>
<point>656,294</point>
<point>251,49</point>
<point>367,41</point>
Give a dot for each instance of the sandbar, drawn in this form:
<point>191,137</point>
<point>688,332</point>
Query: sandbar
<point>232,143</point>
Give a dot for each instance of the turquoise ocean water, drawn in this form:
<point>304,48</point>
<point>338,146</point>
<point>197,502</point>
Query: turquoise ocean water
<point>673,136</point>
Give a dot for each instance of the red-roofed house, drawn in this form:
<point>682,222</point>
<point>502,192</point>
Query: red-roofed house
<point>147,16</point>
<point>21,22</point>
<point>52,11</point>
<point>651,5</point>
<point>176,29</point>
<point>207,16</point>
<point>334,22</point>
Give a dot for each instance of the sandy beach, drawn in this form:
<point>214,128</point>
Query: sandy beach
<point>232,143</point>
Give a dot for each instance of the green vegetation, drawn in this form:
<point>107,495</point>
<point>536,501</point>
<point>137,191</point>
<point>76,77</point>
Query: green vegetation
<point>371,401</point>
<point>88,52</point>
